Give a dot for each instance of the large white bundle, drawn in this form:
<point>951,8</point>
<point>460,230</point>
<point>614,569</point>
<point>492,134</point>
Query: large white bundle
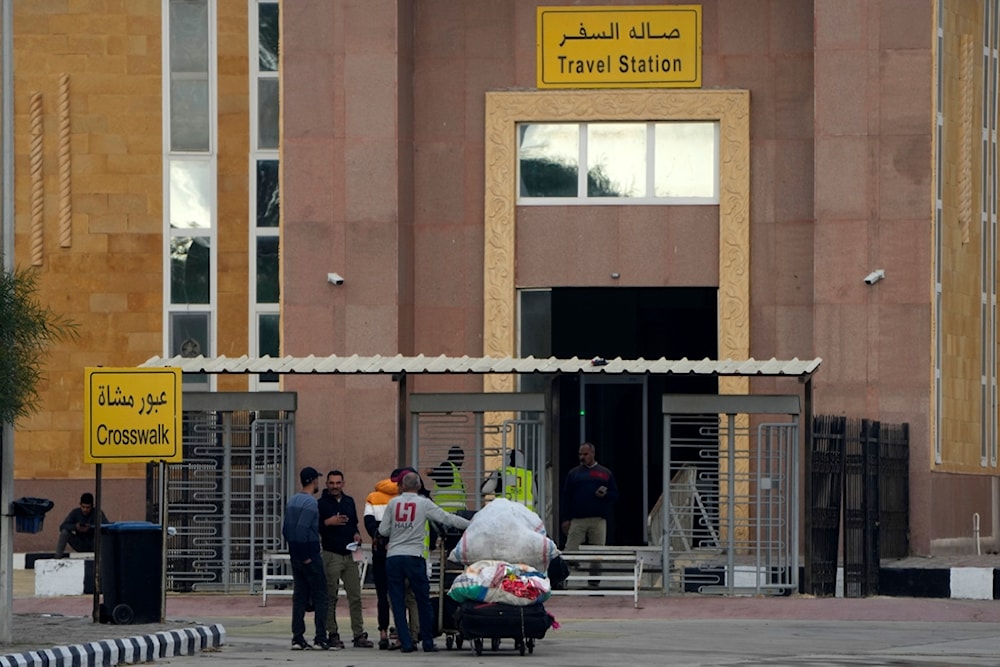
<point>507,531</point>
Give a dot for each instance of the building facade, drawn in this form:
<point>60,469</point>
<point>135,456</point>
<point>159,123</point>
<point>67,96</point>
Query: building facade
<point>185,185</point>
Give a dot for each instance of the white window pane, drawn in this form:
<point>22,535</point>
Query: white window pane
<point>267,37</point>
<point>616,160</point>
<point>189,337</point>
<point>189,36</point>
<point>190,194</point>
<point>267,113</point>
<point>268,341</point>
<point>189,334</point>
<point>190,270</point>
<point>189,115</point>
<point>548,160</point>
<point>268,194</point>
<point>686,160</point>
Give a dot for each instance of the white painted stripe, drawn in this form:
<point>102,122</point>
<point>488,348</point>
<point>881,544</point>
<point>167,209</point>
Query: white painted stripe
<point>972,583</point>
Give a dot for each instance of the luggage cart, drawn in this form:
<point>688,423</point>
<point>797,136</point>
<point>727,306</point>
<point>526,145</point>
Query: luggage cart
<point>493,621</point>
<point>445,608</point>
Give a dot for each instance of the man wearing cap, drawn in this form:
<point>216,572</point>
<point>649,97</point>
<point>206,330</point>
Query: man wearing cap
<point>338,532</point>
<point>403,524</point>
<point>301,531</point>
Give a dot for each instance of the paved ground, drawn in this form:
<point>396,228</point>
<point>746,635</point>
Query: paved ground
<point>796,631</point>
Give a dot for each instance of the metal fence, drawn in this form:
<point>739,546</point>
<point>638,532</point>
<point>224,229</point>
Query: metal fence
<point>731,511</point>
<point>859,480</point>
<point>226,501</point>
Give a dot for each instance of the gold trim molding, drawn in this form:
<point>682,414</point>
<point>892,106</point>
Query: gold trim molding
<point>505,109</point>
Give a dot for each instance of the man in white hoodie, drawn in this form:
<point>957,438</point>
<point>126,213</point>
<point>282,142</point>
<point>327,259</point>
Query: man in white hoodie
<point>403,523</point>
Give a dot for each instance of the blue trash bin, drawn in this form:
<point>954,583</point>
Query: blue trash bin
<point>131,571</point>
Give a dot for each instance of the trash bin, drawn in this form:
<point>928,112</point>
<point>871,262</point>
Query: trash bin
<point>29,514</point>
<point>131,570</point>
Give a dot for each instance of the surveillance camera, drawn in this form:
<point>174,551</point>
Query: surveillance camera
<point>874,276</point>
<point>334,279</point>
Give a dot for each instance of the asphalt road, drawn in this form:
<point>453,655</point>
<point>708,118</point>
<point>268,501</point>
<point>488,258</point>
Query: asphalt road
<point>604,631</point>
<point>641,643</point>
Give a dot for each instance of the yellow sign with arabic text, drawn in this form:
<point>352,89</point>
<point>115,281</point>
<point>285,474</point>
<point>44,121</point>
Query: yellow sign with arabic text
<point>132,415</point>
<point>619,47</point>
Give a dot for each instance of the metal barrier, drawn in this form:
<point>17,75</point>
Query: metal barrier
<point>226,501</point>
<point>859,472</point>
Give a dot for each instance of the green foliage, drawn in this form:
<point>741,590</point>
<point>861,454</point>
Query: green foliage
<point>543,177</point>
<point>26,330</point>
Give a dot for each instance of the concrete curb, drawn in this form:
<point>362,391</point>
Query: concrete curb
<point>956,583</point>
<point>128,651</point>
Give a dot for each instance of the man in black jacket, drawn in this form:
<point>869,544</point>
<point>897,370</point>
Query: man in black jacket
<point>338,531</point>
<point>77,529</point>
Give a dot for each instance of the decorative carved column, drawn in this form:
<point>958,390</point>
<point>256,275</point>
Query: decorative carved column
<point>65,167</point>
<point>37,180</point>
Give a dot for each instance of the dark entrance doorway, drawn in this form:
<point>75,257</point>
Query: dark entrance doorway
<point>620,415</point>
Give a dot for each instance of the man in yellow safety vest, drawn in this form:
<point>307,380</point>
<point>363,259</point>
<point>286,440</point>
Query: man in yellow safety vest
<point>515,481</point>
<point>449,492</point>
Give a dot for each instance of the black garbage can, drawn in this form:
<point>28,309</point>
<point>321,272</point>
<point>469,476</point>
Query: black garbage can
<point>131,567</point>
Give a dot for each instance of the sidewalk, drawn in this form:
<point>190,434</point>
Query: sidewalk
<point>44,622</point>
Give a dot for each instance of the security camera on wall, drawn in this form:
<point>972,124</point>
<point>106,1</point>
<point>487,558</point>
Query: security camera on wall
<point>335,279</point>
<point>875,276</point>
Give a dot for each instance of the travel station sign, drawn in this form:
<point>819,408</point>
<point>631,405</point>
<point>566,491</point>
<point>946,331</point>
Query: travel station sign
<point>132,415</point>
<point>619,47</point>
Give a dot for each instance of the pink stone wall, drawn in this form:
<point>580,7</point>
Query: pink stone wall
<point>874,131</point>
<point>383,182</point>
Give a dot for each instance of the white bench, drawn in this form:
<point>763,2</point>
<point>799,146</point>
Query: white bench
<point>276,577</point>
<point>625,567</point>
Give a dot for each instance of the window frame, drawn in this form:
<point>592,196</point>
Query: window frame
<point>210,158</point>
<point>583,169</point>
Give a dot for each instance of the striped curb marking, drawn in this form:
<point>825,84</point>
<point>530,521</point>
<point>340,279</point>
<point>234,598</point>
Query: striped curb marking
<point>127,651</point>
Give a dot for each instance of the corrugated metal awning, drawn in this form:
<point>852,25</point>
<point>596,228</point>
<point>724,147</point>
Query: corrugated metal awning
<point>374,365</point>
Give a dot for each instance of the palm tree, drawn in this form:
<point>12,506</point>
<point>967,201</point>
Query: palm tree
<point>27,328</point>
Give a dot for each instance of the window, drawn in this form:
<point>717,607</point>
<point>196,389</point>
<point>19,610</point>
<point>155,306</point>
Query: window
<point>189,172</point>
<point>626,163</point>
<point>265,195</point>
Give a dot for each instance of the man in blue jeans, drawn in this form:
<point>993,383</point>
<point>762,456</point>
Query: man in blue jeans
<point>403,523</point>
<point>301,531</point>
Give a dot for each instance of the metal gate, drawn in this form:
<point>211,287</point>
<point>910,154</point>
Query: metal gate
<point>487,428</point>
<point>730,512</point>
<point>226,501</point>
<point>859,481</point>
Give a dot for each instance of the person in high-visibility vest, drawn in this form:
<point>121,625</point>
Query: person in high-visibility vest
<point>449,492</point>
<point>516,481</point>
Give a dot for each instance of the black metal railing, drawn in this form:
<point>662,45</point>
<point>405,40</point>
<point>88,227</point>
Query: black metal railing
<point>859,480</point>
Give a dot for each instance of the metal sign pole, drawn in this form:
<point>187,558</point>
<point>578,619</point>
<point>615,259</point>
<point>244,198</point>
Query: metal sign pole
<point>7,249</point>
<point>98,538</point>
<point>164,534</point>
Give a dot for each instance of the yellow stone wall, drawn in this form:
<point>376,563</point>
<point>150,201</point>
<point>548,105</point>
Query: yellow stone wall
<point>89,203</point>
<point>961,415</point>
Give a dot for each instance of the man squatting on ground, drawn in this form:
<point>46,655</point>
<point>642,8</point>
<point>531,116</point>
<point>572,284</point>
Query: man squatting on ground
<point>77,529</point>
<point>403,524</point>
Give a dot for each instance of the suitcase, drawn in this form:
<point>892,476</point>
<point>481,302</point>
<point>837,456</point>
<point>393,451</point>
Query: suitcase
<point>478,621</point>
